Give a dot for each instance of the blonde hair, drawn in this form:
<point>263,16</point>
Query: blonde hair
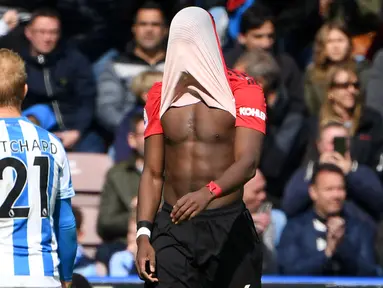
<point>327,113</point>
<point>144,81</point>
<point>13,78</point>
<point>321,63</point>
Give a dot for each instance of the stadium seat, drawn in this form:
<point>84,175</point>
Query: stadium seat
<point>88,174</point>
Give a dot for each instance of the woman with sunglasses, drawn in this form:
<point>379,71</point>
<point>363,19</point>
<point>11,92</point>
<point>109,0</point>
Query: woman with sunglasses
<point>344,103</point>
<point>332,47</point>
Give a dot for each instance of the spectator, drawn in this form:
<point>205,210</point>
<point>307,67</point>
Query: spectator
<point>61,77</point>
<point>268,222</point>
<point>332,47</point>
<point>284,140</point>
<point>257,30</point>
<point>122,263</point>
<point>375,84</point>
<point>140,87</point>
<point>146,52</point>
<point>42,115</point>
<point>120,188</point>
<point>365,192</point>
<point>327,240</point>
<point>344,103</point>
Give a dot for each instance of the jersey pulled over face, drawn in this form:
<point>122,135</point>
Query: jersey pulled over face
<point>250,106</point>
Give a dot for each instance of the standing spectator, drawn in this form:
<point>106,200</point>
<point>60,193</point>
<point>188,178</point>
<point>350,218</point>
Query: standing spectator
<point>365,192</point>
<point>326,240</point>
<point>60,76</point>
<point>332,47</point>
<point>120,188</point>
<point>146,52</point>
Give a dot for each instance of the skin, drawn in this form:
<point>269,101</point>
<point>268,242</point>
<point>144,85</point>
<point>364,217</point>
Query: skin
<point>337,45</point>
<point>199,144</point>
<point>262,37</point>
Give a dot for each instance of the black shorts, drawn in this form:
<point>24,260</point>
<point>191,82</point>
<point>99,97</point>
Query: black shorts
<point>219,248</point>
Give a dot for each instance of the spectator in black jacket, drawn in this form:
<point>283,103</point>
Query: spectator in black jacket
<point>62,77</point>
<point>327,240</point>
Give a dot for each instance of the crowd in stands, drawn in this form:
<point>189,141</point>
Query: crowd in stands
<point>317,197</point>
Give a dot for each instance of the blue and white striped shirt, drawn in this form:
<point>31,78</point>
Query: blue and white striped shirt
<point>34,172</point>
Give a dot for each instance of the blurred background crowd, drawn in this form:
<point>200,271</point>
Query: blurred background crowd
<point>317,198</point>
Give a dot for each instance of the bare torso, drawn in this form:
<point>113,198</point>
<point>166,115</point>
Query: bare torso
<point>199,147</point>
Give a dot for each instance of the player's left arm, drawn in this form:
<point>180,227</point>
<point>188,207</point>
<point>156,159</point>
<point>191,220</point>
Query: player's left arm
<point>65,225</point>
<point>250,130</point>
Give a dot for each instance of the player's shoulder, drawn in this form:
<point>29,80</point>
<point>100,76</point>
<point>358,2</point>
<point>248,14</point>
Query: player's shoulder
<point>154,96</point>
<point>57,149</point>
<point>240,79</point>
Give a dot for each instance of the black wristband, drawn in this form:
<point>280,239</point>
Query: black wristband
<point>146,224</point>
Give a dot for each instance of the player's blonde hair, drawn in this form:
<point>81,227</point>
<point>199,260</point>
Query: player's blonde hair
<point>144,81</point>
<point>13,78</point>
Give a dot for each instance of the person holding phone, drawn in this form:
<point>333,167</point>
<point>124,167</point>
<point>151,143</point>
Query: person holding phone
<point>365,192</point>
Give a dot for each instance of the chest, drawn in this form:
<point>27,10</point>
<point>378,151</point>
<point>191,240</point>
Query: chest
<point>198,122</point>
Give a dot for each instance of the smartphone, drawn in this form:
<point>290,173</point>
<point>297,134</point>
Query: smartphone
<point>340,145</point>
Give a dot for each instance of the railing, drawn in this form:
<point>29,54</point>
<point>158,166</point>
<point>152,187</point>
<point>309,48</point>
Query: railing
<point>267,282</point>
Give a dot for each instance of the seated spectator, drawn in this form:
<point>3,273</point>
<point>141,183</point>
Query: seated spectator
<point>375,83</point>
<point>344,103</point>
<point>268,222</point>
<point>83,264</point>
<point>284,140</point>
<point>141,84</point>
<point>332,47</point>
<point>61,77</point>
<point>365,192</point>
<point>257,30</point>
<point>122,264</point>
<point>121,186</point>
<point>327,240</point>
<point>115,98</point>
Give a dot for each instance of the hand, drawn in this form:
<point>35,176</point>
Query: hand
<point>335,233</point>
<point>344,163</point>
<point>11,18</point>
<point>191,204</point>
<point>69,138</point>
<point>145,253</point>
<point>65,284</point>
<point>261,221</point>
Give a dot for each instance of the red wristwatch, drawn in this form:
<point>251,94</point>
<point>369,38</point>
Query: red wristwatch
<point>214,189</point>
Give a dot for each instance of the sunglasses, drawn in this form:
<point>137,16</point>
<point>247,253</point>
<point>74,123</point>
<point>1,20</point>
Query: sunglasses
<point>345,85</point>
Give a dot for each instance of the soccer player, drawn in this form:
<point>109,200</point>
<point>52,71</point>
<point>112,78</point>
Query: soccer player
<point>203,136</point>
<point>37,226</point>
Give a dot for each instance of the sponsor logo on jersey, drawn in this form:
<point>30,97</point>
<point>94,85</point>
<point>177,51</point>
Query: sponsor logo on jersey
<point>247,111</point>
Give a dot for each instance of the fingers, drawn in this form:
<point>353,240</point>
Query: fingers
<point>187,214</point>
<point>178,205</point>
<point>181,211</point>
<point>141,267</point>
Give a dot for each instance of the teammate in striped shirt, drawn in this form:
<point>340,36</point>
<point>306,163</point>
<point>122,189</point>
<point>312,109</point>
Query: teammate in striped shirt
<point>37,227</point>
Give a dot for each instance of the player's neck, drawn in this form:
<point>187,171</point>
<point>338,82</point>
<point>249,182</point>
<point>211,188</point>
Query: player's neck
<point>9,112</point>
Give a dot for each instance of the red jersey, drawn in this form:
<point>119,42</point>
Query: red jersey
<point>249,102</point>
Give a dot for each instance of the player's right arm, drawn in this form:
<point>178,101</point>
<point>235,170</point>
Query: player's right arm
<point>151,182</point>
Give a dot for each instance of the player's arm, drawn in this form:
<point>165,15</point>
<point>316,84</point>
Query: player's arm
<point>150,188</point>
<point>65,225</point>
<point>250,130</point>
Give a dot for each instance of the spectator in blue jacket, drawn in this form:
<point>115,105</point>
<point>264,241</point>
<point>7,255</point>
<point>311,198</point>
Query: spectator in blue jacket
<point>365,192</point>
<point>61,77</point>
<point>327,240</point>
